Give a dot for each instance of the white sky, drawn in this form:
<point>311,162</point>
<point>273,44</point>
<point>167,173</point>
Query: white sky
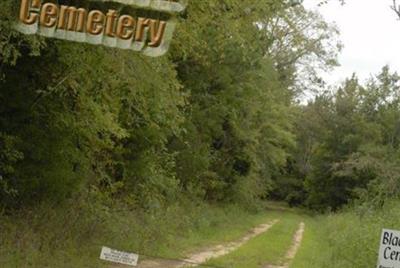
<point>370,32</point>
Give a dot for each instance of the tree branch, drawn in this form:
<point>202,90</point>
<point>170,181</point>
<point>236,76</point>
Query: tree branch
<point>396,8</point>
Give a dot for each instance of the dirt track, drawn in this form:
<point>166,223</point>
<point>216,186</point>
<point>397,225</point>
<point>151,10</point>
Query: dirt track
<point>202,256</point>
<point>291,253</point>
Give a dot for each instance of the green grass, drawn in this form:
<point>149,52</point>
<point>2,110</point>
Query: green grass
<point>223,229</point>
<point>267,248</point>
<point>310,247</point>
<point>73,236</point>
<point>348,239</point>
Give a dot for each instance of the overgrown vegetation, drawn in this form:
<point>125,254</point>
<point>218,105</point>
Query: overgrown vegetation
<point>267,249</point>
<point>348,145</point>
<point>213,120</point>
<point>348,239</point>
<point>89,133</point>
<point>72,235</point>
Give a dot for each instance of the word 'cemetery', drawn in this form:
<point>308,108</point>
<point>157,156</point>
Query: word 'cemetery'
<point>151,36</point>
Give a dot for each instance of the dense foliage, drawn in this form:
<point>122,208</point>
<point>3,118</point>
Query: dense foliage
<point>348,145</point>
<point>212,120</point>
<point>217,119</point>
<point>98,143</point>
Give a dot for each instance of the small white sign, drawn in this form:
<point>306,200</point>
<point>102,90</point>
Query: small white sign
<point>112,255</point>
<point>389,250</point>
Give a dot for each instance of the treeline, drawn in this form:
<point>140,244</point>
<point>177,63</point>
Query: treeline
<point>348,145</point>
<point>216,120</point>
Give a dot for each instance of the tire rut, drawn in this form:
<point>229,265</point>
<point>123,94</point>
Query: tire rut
<point>291,253</point>
<point>200,257</point>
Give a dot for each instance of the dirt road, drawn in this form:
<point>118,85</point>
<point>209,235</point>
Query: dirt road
<point>205,254</point>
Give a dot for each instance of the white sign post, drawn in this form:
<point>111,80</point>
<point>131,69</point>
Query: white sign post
<point>389,250</point>
<point>108,254</point>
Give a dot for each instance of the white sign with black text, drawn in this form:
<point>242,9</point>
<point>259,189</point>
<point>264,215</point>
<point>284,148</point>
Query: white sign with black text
<point>112,255</point>
<point>389,250</point>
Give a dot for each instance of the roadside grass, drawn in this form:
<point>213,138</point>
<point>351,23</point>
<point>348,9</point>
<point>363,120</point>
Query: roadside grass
<point>336,241</point>
<point>267,248</point>
<point>72,236</point>
<point>347,239</point>
<point>312,249</point>
<point>214,229</point>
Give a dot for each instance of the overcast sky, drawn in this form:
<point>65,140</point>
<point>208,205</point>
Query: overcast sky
<point>370,32</point>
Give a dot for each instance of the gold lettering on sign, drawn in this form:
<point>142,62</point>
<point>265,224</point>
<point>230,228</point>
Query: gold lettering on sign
<point>72,19</point>
<point>152,36</point>
<point>141,25</point>
<point>48,16</point>
<point>24,15</point>
<point>125,27</point>
<point>95,22</point>
<point>157,29</point>
<point>111,16</point>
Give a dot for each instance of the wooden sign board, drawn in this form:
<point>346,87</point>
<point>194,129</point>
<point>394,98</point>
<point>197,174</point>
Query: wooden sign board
<point>109,26</point>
